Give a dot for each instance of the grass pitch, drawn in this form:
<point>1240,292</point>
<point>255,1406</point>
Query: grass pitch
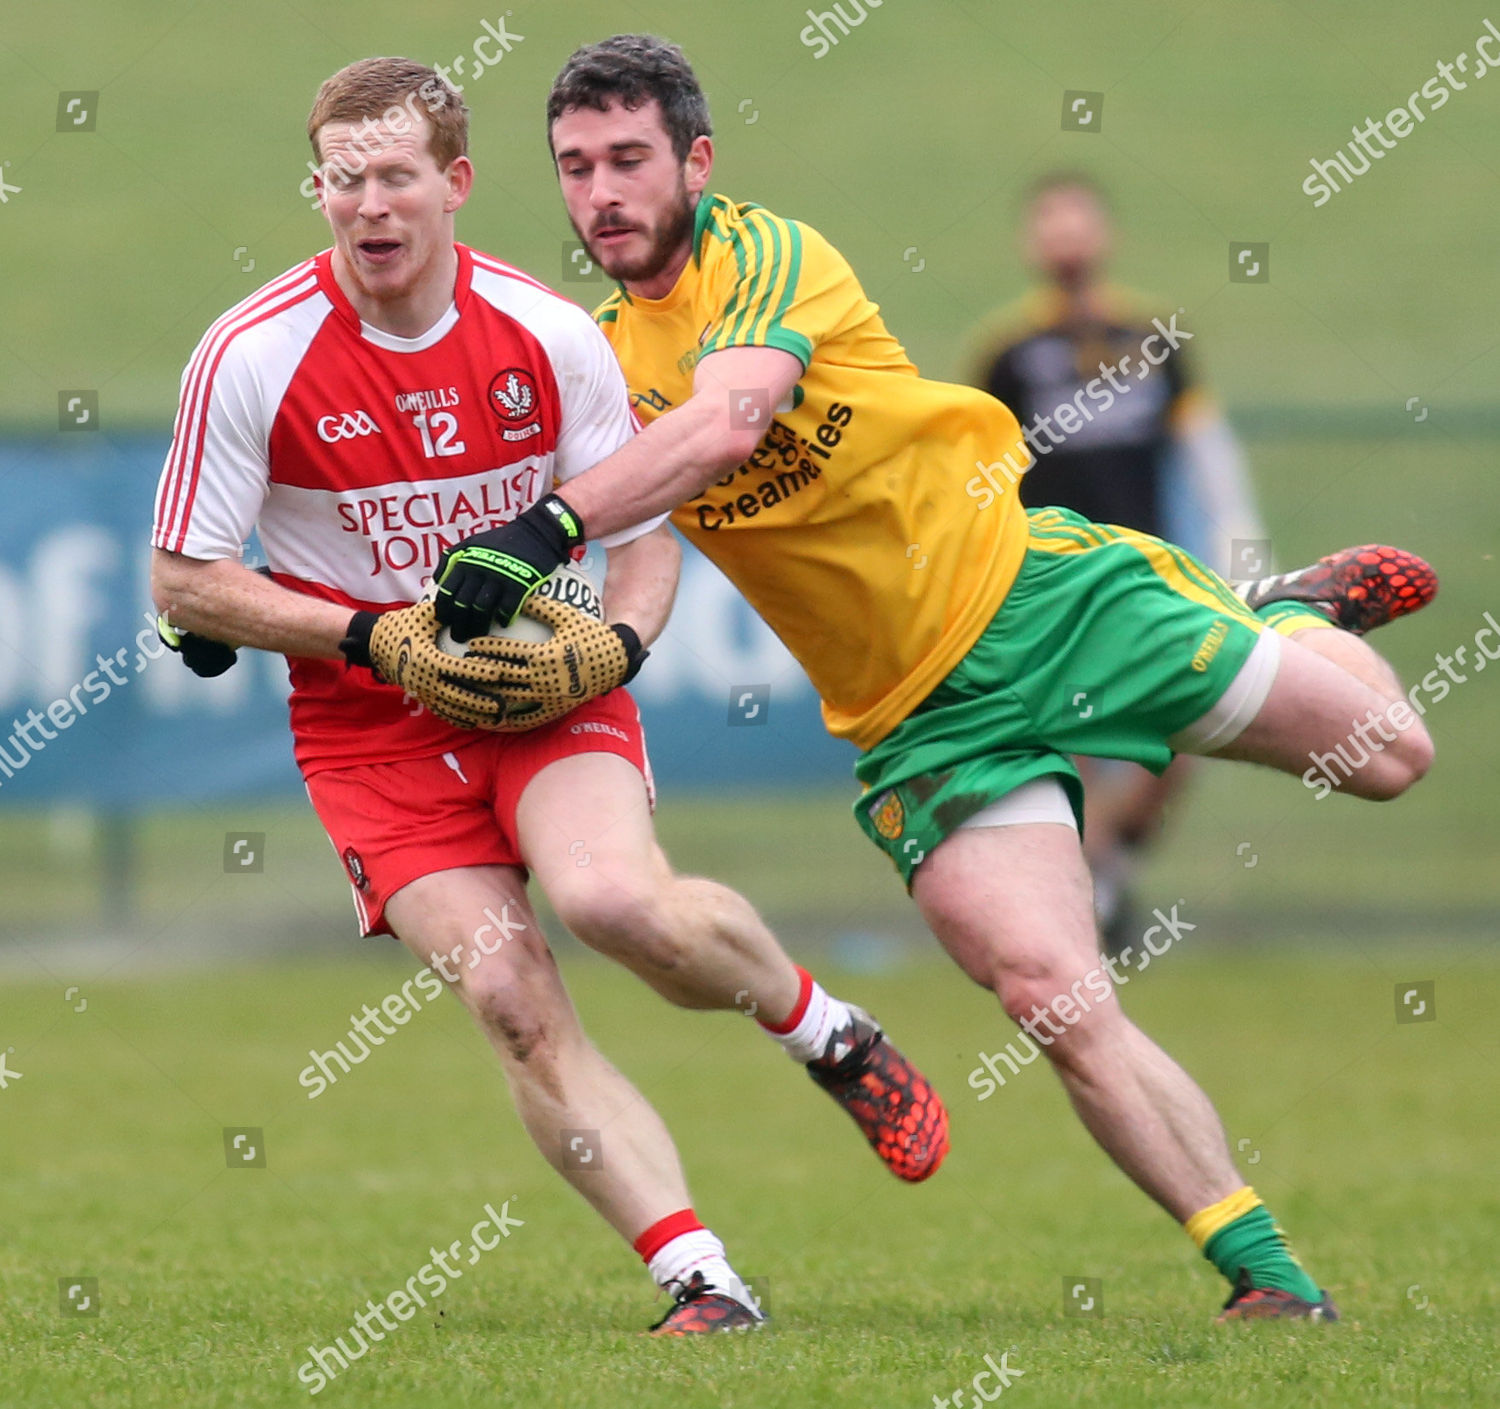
<point>908,145</point>
<point>1369,1138</point>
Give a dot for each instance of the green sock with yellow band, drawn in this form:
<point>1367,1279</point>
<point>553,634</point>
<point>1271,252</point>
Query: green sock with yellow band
<point>1239,1232</point>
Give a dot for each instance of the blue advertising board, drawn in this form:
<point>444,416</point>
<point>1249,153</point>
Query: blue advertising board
<point>93,710</point>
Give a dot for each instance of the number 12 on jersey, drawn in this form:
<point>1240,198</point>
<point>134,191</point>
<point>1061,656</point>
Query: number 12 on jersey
<point>438,430</point>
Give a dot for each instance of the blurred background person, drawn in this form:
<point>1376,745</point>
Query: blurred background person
<point>1150,451</point>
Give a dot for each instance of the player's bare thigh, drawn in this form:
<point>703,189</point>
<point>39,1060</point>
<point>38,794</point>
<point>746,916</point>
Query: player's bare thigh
<point>1314,706</point>
<point>585,828</point>
<point>475,927</point>
<point>1014,907</point>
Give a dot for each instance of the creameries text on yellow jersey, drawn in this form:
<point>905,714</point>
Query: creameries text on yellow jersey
<point>849,529</point>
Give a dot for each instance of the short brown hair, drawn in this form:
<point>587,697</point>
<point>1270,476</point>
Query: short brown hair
<point>368,89</point>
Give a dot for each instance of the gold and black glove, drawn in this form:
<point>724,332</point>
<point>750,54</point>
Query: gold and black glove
<point>543,681</point>
<point>401,647</point>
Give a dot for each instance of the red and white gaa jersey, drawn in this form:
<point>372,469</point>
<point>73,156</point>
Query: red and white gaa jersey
<point>360,456</point>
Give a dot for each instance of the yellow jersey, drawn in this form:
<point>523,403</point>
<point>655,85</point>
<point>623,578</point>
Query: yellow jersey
<point>877,527</point>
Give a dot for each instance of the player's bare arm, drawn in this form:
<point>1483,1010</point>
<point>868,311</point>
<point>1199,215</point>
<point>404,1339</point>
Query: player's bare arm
<point>685,450</point>
<point>640,583</point>
<point>225,601</point>
<point>221,600</point>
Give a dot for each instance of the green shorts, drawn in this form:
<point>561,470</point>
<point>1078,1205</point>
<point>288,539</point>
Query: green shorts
<point>1110,643</point>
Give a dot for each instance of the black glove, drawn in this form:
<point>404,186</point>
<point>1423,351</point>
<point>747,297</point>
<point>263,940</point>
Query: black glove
<point>202,655</point>
<point>635,652</point>
<point>484,580</point>
<point>356,642</point>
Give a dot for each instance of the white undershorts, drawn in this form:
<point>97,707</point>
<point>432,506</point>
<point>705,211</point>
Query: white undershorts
<point>1239,704</point>
<point>1040,800</point>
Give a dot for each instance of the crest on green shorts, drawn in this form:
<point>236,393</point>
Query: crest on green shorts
<point>888,815</point>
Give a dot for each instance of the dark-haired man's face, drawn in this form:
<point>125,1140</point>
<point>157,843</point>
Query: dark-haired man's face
<point>629,197</point>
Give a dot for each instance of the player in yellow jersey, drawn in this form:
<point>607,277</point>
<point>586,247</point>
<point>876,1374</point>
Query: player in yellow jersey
<point>965,646</point>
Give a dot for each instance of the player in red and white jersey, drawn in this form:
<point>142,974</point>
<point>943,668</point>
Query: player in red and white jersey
<point>360,455</point>
<point>368,410</point>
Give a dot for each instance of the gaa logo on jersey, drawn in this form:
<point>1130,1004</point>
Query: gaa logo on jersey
<point>888,814</point>
<point>513,398</point>
<point>346,427</point>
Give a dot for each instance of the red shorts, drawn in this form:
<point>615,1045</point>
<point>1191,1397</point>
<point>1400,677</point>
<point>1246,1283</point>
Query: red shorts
<point>394,822</point>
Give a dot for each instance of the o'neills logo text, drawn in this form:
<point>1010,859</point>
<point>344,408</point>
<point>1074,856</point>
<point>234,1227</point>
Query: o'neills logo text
<point>414,526</point>
<point>437,399</point>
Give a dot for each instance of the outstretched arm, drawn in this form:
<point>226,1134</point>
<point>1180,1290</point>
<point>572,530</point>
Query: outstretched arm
<point>682,452</point>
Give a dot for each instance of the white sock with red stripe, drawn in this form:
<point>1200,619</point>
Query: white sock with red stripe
<point>815,1018</point>
<point>675,1247</point>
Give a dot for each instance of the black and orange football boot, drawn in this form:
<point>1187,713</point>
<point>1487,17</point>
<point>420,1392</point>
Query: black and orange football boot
<point>896,1109</point>
<point>1356,588</point>
<point>1251,1303</point>
<point>699,1309</point>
